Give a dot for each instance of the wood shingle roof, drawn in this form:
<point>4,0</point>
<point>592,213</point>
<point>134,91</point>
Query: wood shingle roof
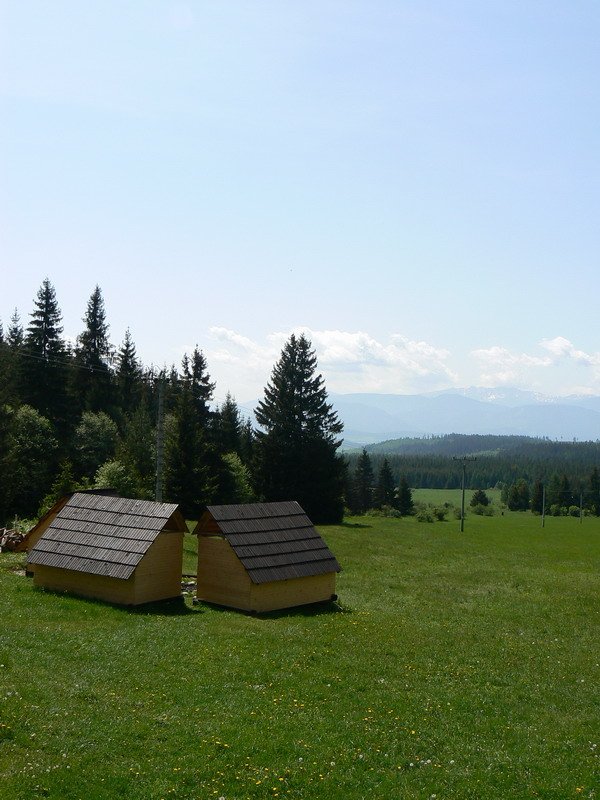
<point>274,541</point>
<point>104,535</point>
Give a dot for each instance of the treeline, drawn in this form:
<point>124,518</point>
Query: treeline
<point>85,415</point>
<point>561,476</point>
<point>500,460</point>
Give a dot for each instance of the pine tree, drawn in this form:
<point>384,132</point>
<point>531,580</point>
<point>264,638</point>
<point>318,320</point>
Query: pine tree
<point>128,376</point>
<point>404,503</point>
<point>92,378</point>
<point>479,498</point>
<point>227,427</point>
<point>137,450</point>
<point>518,496</point>
<point>296,448</point>
<point>385,492</point>
<point>201,387</point>
<point>188,479</point>
<point>14,334</point>
<point>363,483</point>
<point>45,358</point>
<point>537,497</point>
<point>594,492</point>
<point>247,439</point>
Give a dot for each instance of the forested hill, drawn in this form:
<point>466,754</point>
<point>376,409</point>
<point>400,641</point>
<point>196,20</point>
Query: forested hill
<point>429,462</point>
<point>458,444</point>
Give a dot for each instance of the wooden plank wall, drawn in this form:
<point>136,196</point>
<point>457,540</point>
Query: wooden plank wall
<point>294,592</point>
<point>158,575</point>
<point>99,587</point>
<point>221,577</point>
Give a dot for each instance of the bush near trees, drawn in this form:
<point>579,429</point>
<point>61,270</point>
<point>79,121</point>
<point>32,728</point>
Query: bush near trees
<point>479,498</point>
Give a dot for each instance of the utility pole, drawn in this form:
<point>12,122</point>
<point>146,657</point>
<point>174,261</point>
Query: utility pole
<point>543,505</point>
<point>464,460</point>
<point>160,440</point>
<point>580,508</point>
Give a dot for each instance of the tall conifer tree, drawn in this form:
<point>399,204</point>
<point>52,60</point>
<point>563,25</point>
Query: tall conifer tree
<point>227,426</point>
<point>363,483</point>
<point>404,502</point>
<point>44,363</point>
<point>385,492</point>
<point>92,378</point>
<point>296,448</point>
<point>128,376</point>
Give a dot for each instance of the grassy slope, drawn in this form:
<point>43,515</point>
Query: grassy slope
<point>460,666</point>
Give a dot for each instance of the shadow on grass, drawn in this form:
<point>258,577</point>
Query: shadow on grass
<point>175,607</point>
<point>354,525</point>
<point>165,608</point>
<point>310,610</point>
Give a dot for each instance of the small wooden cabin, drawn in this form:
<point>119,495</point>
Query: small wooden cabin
<point>111,548</point>
<point>263,557</point>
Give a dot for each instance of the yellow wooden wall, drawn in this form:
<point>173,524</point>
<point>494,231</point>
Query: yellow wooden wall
<point>221,577</point>
<point>223,580</point>
<point>157,576</point>
<point>99,587</point>
<point>293,592</point>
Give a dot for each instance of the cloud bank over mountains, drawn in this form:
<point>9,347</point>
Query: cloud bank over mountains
<point>355,361</point>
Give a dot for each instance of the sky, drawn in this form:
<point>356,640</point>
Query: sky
<point>415,185</point>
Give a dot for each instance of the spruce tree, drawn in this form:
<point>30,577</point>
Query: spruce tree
<point>296,446</point>
<point>594,492</point>
<point>128,376</point>
<point>405,504</point>
<point>479,498</point>
<point>137,449</point>
<point>537,497</point>
<point>363,483</point>
<point>385,491</point>
<point>92,378</point>
<point>45,358</point>
<point>188,479</point>
<point>227,427</point>
<point>195,372</point>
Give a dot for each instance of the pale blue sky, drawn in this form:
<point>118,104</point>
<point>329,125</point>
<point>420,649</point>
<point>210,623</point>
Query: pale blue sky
<point>417,184</point>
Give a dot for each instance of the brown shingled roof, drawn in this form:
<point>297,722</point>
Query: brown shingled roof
<point>104,535</point>
<point>274,541</point>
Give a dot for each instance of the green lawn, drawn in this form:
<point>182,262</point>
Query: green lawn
<point>458,666</point>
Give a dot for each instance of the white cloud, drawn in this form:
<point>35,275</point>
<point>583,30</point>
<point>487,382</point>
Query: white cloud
<point>499,366</point>
<point>350,361</point>
<point>562,348</point>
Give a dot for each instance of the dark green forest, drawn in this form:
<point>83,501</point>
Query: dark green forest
<point>91,415</point>
<point>568,470</point>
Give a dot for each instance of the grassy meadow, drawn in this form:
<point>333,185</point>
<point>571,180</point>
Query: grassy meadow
<point>455,666</point>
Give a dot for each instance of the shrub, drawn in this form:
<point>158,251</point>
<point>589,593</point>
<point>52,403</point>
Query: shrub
<point>573,511</point>
<point>439,512</point>
<point>424,515</point>
<point>114,475</point>
<point>483,511</point>
<point>384,511</point>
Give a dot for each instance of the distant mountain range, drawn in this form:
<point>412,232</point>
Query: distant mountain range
<point>370,418</point>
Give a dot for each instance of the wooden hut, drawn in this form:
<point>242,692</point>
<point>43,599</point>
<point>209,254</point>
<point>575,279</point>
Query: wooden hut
<point>263,557</point>
<point>111,548</point>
